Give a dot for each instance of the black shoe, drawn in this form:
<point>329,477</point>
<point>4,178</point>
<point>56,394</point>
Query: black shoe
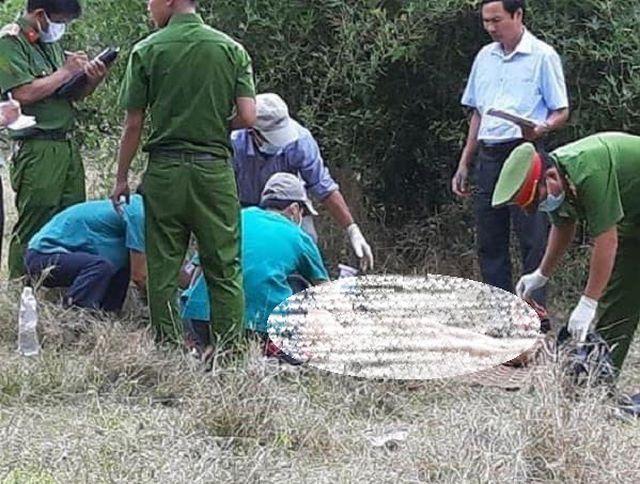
<point>545,325</point>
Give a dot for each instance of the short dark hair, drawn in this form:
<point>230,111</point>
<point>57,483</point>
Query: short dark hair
<point>70,8</point>
<point>283,204</point>
<point>511,6</point>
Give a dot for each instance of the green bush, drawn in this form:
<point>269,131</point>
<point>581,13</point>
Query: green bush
<point>379,82</point>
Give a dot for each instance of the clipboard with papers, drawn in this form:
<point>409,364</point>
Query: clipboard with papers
<point>512,117</point>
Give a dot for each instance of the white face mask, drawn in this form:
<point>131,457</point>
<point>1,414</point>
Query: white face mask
<point>54,33</point>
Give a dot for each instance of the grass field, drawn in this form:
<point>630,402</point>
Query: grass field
<point>103,404</point>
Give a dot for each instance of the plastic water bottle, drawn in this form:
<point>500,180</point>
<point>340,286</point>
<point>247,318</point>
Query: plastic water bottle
<point>28,344</point>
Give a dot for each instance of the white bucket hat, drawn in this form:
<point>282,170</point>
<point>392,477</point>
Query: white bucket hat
<point>273,120</point>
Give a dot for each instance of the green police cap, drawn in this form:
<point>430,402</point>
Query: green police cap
<point>519,177</point>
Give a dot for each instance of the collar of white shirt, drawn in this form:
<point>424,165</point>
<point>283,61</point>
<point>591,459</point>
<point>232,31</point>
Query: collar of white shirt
<point>525,46</point>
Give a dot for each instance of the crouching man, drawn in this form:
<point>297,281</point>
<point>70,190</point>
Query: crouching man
<point>596,180</point>
<point>274,247</point>
<point>93,250</point>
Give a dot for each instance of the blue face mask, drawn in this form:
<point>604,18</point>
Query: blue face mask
<point>551,203</point>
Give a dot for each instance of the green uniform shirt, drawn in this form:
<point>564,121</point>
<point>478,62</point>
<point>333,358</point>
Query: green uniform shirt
<point>604,169</point>
<point>188,75</point>
<point>22,62</point>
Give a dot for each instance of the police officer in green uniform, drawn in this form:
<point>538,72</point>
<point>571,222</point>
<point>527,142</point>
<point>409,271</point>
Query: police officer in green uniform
<point>597,180</point>
<point>197,84</point>
<point>47,174</point>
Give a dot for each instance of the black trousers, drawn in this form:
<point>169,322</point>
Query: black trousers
<point>493,225</point>
<point>93,282</point>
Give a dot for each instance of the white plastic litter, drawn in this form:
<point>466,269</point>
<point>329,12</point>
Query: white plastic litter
<point>347,271</point>
<point>388,439</point>
<point>28,344</point>
<point>347,278</point>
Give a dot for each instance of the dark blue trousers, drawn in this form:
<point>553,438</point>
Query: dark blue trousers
<point>199,330</point>
<point>493,226</point>
<point>93,282</point>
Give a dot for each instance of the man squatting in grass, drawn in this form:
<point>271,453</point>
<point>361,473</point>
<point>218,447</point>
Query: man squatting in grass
<point>597,180</point>
<point>47,174</point>
<point>274,247</point>
<point>94,249</point>
<point>197,84</point>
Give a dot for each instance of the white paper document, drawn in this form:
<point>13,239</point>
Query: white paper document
<point>512,117</point>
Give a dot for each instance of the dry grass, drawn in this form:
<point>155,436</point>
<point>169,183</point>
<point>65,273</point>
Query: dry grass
<point>103,404</point>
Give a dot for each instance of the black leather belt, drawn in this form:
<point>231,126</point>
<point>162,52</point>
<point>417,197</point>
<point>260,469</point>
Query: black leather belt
<point>187,156</point>
<point>45,135</point>
<point>500,147</point>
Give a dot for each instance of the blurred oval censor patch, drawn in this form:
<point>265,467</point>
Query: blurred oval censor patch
<point>404,328</point>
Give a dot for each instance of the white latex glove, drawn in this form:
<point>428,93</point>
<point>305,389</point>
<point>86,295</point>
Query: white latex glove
<point>9,112</point>
<point>529,283</point>
<point>582,317</point>
<point>360,247</point>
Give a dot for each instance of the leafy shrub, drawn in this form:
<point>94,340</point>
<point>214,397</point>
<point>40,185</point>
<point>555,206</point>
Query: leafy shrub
<point>379,82</point>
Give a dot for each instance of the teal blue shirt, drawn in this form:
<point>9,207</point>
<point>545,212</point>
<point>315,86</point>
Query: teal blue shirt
<point>95,228</point>
<point>273,248</point>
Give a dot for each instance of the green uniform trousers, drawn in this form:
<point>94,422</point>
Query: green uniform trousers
<point>47,176</point>
<point>184,196</point>
<point>619,308</point>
